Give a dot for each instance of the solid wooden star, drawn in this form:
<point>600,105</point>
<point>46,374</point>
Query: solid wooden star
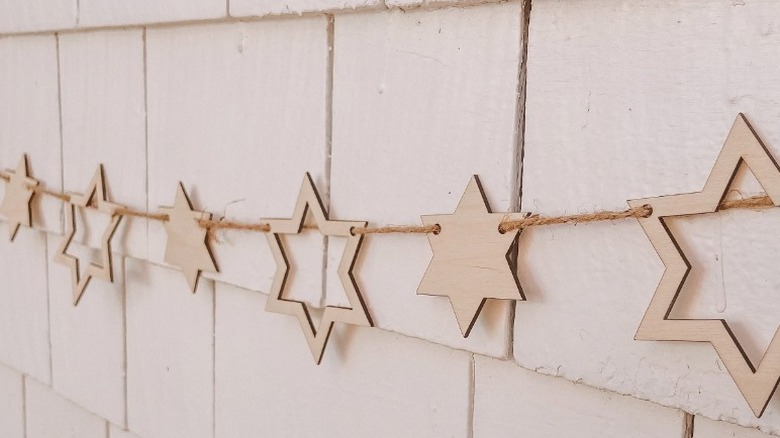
<point>471,258</point>
<point>94,196</point>
<point>17,202</point>
<point>187,245</point>
<point>742,145</point>
<point>357,314</point>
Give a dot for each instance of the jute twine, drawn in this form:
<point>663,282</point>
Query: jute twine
<point>213,225</point>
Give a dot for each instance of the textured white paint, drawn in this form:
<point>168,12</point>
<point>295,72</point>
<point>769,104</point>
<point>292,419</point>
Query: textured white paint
<point>29,117</point>
<point>706,428</point>
<point>102,75</point>
<point>88,341</point>
<point>627,100</point>
<point>24,313</point>
<point>409,130</point>
<point>510,401</point>
<point>11,403</point>
<point>237,112</point>
<point>49,415</point>
<point>273,7</point>
<point>37,15</point>
<point>370,382</point>
<point>117,12</point>
<point>170,353</point>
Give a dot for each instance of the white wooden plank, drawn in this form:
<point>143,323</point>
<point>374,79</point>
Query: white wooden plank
<point>412,91</point>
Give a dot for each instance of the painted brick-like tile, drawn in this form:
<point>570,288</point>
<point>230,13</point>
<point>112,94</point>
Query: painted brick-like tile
<point>272,7</point>
<point>706,428</point>
<point>103,121</point>
<point>88,341</point>
<point>49,415</point>
<point>370,383</point>
<point>511,401</point>
<point>24,315</point>
<point>647,116</point>
<point>411,90</point>
<point>115,432</point>
<point>37,15</point>
<point>170,353</point>
<point>11,403</point>
<point>113,12</point>
<point>29,116</point>
<point>237,112</point>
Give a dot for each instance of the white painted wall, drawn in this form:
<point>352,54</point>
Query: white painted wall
<point>391,106</point>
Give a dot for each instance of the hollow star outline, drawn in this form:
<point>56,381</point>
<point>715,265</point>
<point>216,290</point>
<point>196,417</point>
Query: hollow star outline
<point>187,246</point>
<point>742,144</point>
<point>17,202</point>
<point>95,193</point>
<point>469,279</point>
<point>317,338</point>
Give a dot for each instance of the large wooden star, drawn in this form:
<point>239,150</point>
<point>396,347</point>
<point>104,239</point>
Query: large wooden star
<point>742,145</point>
<point>357,314</point>
<point>187,245</point>
<point>94,196</point>
<point>471,258</point>
<point>19,192</point>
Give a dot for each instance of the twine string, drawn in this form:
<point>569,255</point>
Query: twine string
<point>213,225</point>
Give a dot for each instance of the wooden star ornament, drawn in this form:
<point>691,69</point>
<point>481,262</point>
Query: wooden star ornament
<point>187,246</point>
<point>471,258</point>
<point>757,383</point>
<point>94,196</point>
<point>317,337</point>
<point>17,202</point>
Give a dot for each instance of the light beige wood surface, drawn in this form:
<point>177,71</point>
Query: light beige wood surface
<point>187,246</point>
<point>757,383</point>
<point>471,258</point>
<point>317,337</point>
<point>19,192</point>
<point>94,196</point>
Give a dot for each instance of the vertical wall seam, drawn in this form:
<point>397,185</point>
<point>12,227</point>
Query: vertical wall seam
<point>146,134</point>
<point>214,360</point>
<point>472,391</point>
<point>62,136</point>
<point>519,152</point>
<point>48,307</point>
<point>124,336</point>
<point>688,422</point>
<point>24,405</point>
<point>328,146</point>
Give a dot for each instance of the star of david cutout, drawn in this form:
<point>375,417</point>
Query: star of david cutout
<point>317,337</point>
<point>94,196</point>
<point>471,258</point>
<point>756,383</point>
<point>19,192</point>
<point>187,246</point>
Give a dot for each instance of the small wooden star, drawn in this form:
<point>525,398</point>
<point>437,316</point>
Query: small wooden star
<point>358,313</point>
<point>17,202</point>
<point>187,245</point>
<point>94,196</point>
<point>742,145</point>
<point>471,258</point>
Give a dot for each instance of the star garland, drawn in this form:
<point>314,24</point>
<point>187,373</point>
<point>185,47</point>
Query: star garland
<point>473,249</point>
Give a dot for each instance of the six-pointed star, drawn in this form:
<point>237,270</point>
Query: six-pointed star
<point>18,194</point>
<point>471,258</point>
<point>95,195</point>
<point>187,245</point>
<point>757,384</point>
<point>357,314</point>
